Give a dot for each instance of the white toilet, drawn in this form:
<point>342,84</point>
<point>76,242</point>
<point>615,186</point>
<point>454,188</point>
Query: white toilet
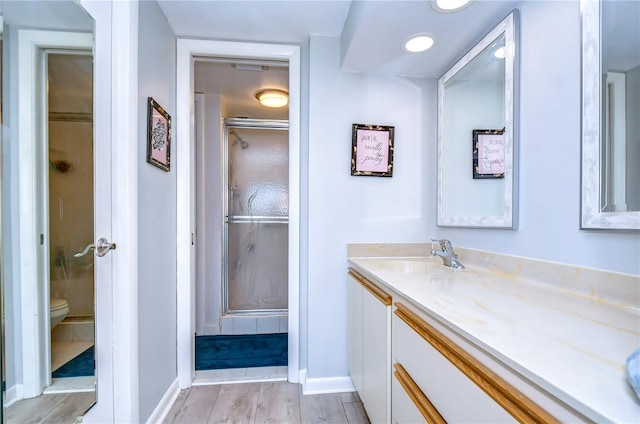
<point>59,310</point>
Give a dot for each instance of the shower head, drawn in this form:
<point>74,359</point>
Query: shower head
<point>243,144</point>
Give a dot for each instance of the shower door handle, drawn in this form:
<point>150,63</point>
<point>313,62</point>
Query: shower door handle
<point>103,246</point>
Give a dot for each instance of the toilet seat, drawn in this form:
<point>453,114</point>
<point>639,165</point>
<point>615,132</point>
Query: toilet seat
<point>58,304</point>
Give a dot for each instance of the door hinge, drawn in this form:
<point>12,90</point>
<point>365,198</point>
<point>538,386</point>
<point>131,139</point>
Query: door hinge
<point>193,239</point>
<point>42,239</point>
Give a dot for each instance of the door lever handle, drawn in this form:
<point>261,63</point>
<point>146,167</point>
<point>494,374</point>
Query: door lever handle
<point>85,251</point>
<point>101,247</point>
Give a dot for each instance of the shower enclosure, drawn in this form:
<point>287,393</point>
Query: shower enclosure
<point>255,261</point>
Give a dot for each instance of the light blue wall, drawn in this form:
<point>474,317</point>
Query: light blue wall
<point>345,209</point>
<point>633,139</point>
<point>348,209</point>
<point>550,154</point>
<point>156,216</point>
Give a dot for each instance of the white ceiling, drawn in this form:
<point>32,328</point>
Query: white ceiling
<point>237,88</point>
<point>372,36</point>
<point>284,21</point>
<point>372,32</point>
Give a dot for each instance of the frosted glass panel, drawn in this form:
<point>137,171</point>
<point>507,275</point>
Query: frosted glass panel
<point>258,172</point>
<point>258,266</point>
<point>257,228</point>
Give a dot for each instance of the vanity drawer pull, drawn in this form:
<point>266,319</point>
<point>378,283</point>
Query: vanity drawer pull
<point>380,294</point>
<point>426,408</point>
<point>515,403</point>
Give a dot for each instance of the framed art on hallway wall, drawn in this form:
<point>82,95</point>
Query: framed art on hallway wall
<point>159,136</point>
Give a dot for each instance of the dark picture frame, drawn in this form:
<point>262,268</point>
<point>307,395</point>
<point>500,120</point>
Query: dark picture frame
<point>159,136</point>
<point>372,149</point>
<point>488,154</point>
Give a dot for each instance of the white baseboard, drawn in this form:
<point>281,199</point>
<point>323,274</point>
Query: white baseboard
<point>12,395</point>
<point>317,386</point>
<point>164,406</point>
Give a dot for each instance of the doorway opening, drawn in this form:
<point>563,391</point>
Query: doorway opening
<point>242,216</point>
<point>189,54</point>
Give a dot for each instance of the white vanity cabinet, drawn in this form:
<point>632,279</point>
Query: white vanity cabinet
<point>369,346</point>
<point>507,339</point>
<point>447,384</point>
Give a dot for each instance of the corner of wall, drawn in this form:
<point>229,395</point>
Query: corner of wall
<point>324,385</point>
<point>164,406</point>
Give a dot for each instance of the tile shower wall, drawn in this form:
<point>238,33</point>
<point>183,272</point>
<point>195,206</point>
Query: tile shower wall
<point>254,325</point>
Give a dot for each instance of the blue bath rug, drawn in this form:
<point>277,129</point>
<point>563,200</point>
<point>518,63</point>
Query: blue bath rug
<point>81,366</point>
<point>241,351</point>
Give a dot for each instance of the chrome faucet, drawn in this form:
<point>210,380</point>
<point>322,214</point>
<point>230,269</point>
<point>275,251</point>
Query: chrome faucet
<point>447,254</point>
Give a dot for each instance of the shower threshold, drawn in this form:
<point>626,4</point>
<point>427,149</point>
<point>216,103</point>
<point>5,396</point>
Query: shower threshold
<point>254,323</point>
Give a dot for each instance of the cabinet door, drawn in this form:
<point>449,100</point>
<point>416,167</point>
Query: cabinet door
<point>376,360</point>
<point>354,331</point>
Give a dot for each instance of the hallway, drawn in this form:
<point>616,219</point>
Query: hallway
<point>266,402</point>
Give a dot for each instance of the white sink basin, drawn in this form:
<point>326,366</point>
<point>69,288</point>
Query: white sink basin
<point>416,266</point>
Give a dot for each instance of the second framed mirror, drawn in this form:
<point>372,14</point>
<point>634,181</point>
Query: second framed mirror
<point>477,133</point>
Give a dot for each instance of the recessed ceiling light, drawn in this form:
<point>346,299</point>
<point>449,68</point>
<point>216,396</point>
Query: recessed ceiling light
<point>500,53</point>
<point>448,6</point>
<point>419,43</point>
<point>271,97</point>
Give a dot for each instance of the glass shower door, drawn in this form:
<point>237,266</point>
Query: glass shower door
<point>256,263</point>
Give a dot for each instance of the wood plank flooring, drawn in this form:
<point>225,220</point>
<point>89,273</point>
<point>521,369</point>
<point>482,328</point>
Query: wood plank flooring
<point>265,402</point>
<point>251,403</point>
<point>64,408</point>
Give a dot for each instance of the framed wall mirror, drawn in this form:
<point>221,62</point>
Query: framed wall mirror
<point>478,132</point>
<point>610,110</point>
<point>48,148</point>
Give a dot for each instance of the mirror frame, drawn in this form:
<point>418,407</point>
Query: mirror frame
<point>591,215</point>
<point>509,27</point>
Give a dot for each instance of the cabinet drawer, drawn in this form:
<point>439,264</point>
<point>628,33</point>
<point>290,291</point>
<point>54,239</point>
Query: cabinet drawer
<point>460,388</point>
<point>409,404</point>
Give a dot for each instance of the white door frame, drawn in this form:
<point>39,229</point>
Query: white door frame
<point>187,50</point>
<point>116,96</point>
<point>33,251</point>
<point>116,135</point>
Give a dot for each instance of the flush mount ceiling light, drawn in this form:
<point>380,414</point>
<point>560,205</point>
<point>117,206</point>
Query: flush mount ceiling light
<point>500,53</point>
<point>449,6</point>
<point>271,97</point>
<point>419,43</point>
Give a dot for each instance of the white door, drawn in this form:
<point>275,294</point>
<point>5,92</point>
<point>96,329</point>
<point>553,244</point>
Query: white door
<point>34,297</point>
<point>97,38</point>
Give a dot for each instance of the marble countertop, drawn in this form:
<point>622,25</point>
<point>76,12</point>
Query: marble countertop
<point>567,329</point>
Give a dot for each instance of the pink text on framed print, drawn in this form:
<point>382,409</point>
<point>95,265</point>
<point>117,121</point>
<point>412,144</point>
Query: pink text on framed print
<point>372,150</point>
<point>488,154</point>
